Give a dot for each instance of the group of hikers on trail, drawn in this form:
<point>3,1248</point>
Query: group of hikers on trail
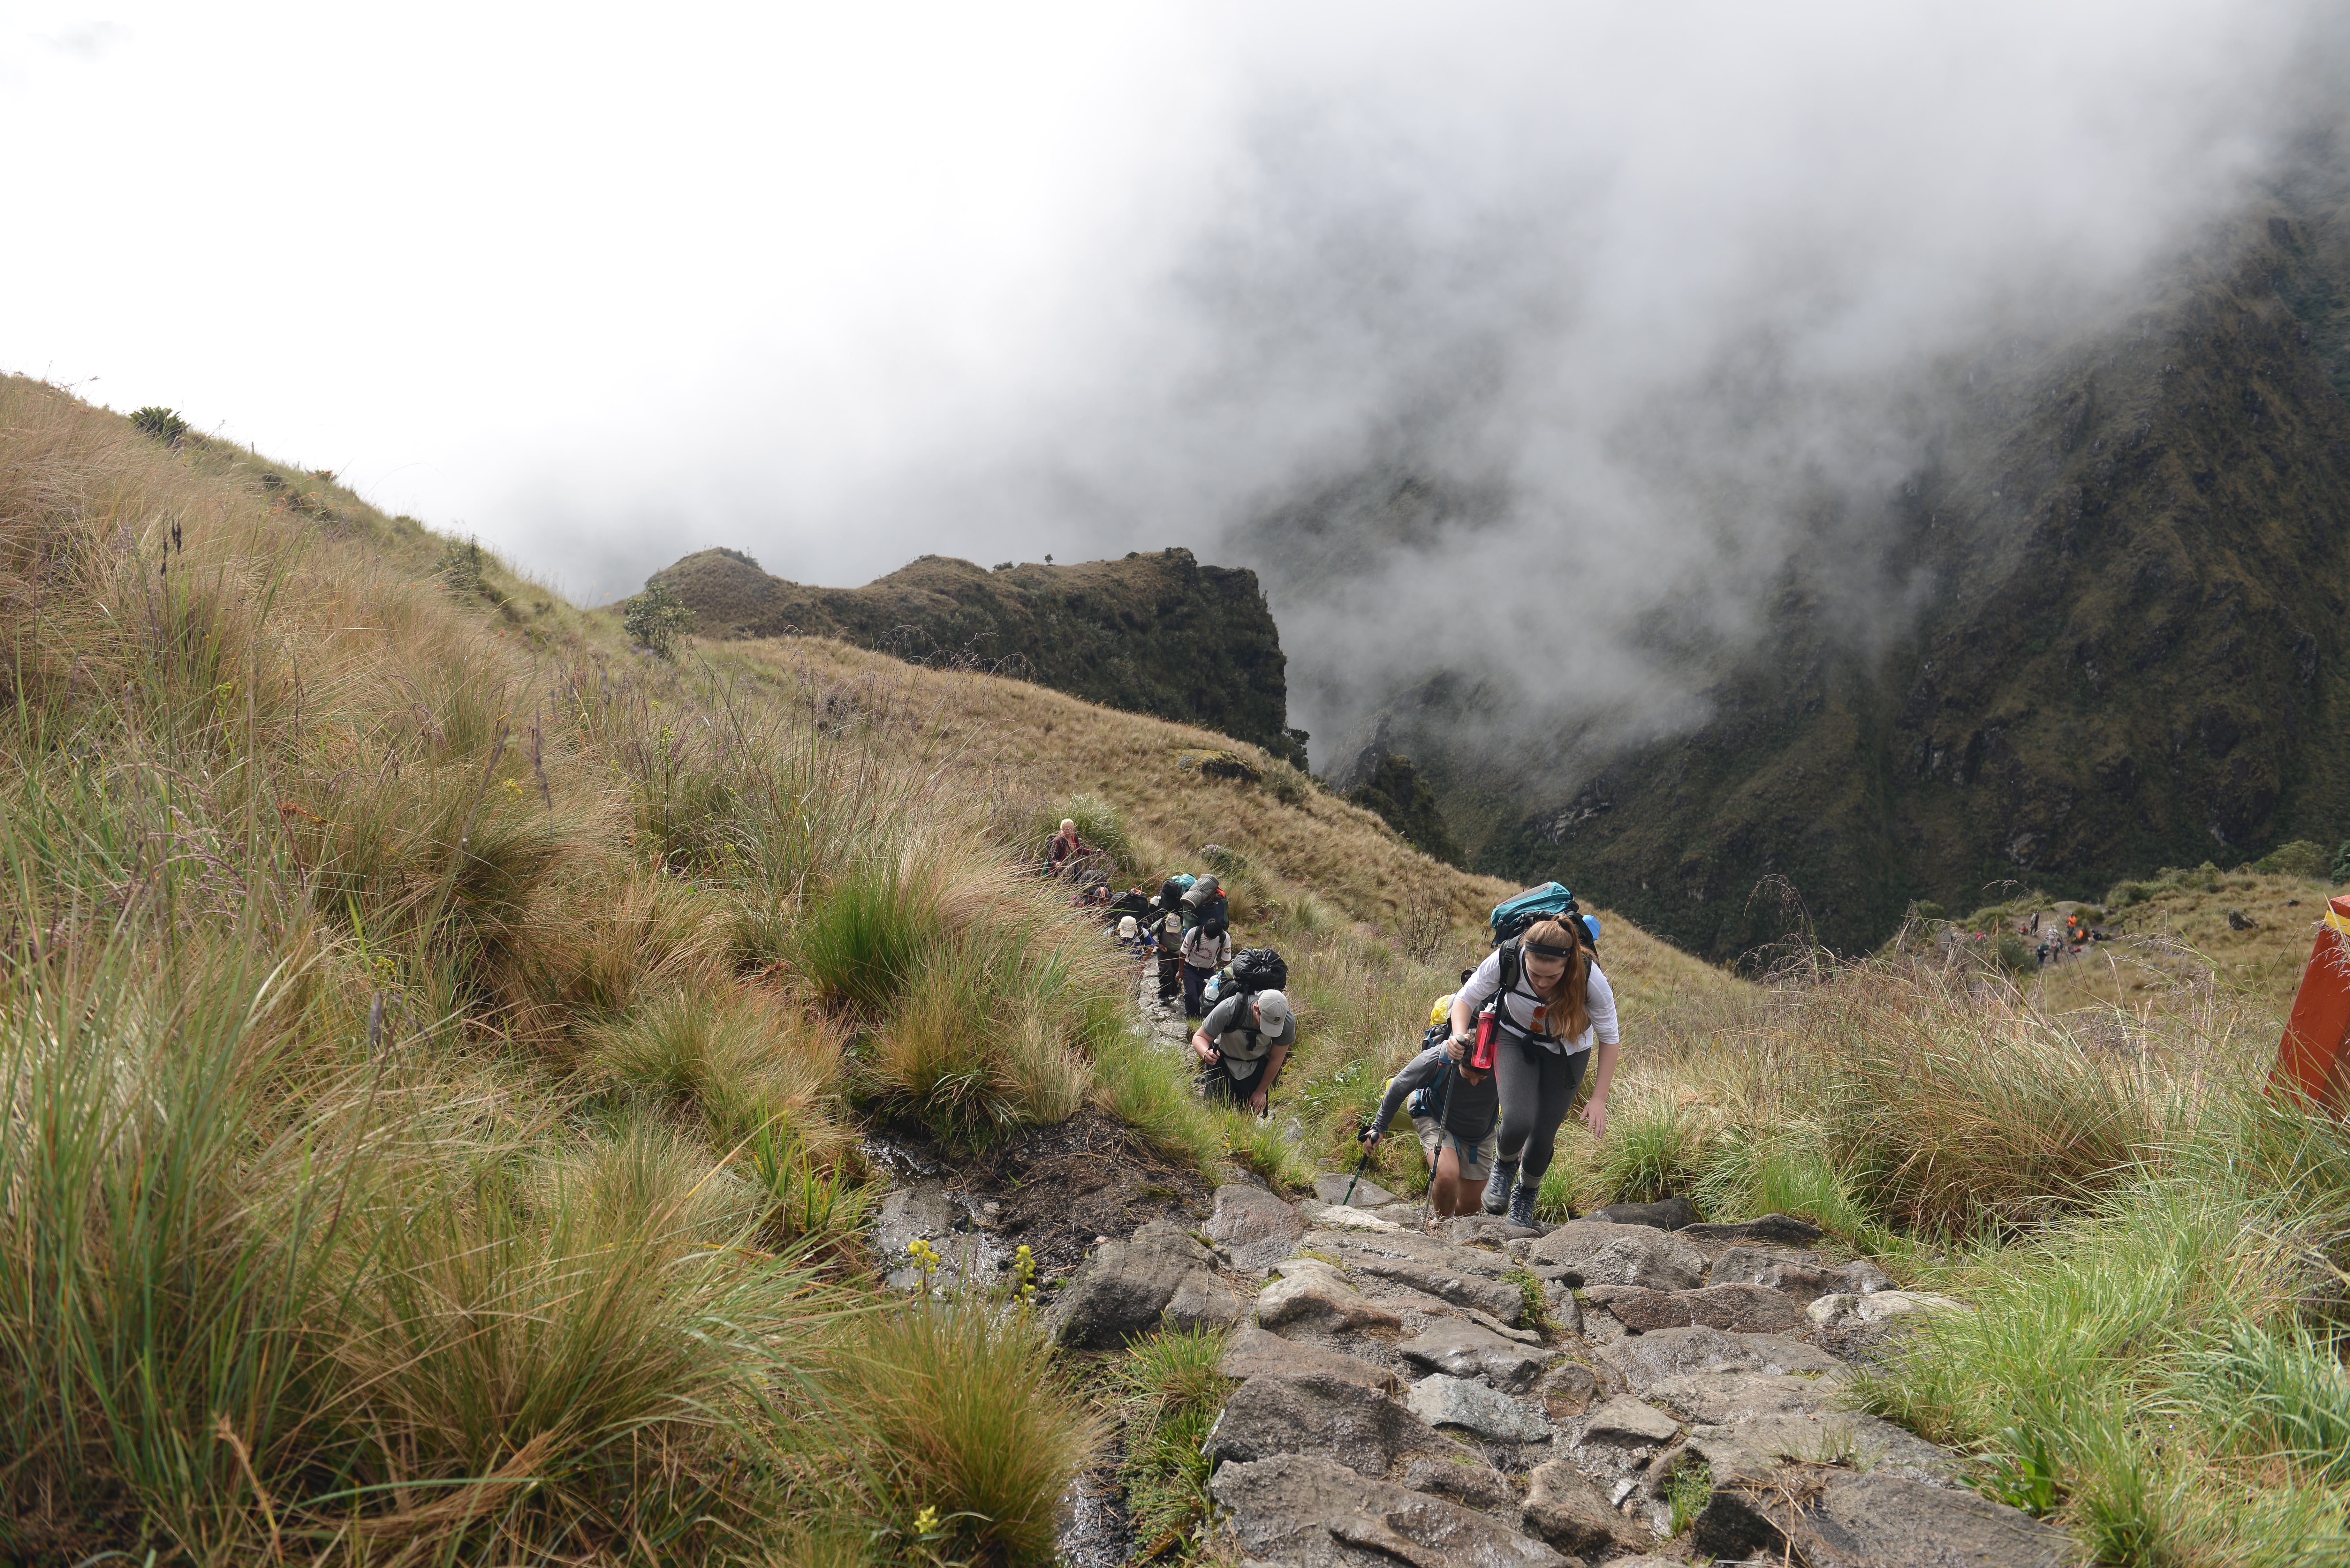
<point>1503,1057</point>
<point>1500,1062</point>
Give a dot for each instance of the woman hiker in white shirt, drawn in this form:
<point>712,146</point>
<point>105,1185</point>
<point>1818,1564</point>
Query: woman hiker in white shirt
<point>1552,1005</point>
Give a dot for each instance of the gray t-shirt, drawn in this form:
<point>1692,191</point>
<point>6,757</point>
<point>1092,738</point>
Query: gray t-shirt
<point>1230,1030</point>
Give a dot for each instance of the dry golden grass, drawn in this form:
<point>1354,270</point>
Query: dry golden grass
<point>1020,743</point>
<point>2177,941</point>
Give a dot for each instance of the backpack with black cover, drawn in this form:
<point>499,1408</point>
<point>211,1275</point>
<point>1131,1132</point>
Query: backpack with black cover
<point>1259,968</point>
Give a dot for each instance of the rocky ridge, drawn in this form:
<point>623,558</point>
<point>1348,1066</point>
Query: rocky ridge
<point>1160,633</point>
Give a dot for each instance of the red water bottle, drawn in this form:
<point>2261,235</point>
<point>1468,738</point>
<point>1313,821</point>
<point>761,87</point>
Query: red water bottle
<point>1489,1034</point>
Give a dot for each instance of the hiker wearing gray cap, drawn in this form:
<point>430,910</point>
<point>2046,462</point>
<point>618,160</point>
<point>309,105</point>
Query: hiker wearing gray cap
<point>1243,1042</point>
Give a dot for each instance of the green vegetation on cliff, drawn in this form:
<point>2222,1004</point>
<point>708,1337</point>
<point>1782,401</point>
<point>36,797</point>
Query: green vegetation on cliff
<point>2128,645</point>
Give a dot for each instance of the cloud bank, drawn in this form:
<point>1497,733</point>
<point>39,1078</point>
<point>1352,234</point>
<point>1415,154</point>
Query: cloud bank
<point>1637,298</point>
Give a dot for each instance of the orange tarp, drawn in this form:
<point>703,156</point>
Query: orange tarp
<point>2313,1057</point>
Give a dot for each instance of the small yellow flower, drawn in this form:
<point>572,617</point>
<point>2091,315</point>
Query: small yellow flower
<point>927,1522</point>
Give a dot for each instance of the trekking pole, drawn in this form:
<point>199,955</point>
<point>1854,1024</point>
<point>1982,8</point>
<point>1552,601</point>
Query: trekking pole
<point>1443,1130</point>
<point>1370,1150</point>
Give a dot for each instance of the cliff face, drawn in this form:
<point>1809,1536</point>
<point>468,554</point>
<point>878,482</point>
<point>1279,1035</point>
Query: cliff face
<point>1156,633</point>
<point>2133,648</point>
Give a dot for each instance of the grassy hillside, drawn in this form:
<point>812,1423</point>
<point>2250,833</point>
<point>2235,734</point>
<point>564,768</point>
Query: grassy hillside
<point>440,1047</point>
<point>1154,633</point>
<point>437,1041</point>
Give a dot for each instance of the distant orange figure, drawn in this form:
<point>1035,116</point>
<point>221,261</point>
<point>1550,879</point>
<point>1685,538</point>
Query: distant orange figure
<point>2310,1059</point>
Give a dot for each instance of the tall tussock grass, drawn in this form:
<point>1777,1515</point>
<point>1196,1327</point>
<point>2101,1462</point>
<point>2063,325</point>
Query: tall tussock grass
<point>427,1045</point>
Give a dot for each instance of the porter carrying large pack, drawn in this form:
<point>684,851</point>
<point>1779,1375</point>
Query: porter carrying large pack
<point>1252,969</point>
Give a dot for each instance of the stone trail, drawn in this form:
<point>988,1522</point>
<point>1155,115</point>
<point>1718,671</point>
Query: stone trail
<point>1475,1395</point>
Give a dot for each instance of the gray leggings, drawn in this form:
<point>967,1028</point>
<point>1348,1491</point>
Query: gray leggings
<point>1535,1096</point>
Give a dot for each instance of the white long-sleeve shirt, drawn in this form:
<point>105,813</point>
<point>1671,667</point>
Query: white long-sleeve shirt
<point>1202,950</point>
<point>1526,1014</point>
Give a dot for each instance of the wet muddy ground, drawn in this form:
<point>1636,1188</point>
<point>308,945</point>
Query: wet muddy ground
<point>1053,1189</point>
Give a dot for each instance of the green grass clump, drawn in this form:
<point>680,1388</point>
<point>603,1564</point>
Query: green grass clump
<point>869,932</point>
<point>1150,1090</point>
<point>1533,1308</point>
<point>1167,1393</point>
<point>1651,1153</point>
<point>975,1430</point>
<point>1687,1493</point>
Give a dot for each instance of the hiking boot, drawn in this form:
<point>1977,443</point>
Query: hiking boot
<point>1522,1206</point>
<point>1497,1190</point>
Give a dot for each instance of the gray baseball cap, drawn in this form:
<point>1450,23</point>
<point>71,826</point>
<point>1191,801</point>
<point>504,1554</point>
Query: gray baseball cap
<point>1272,1011</point>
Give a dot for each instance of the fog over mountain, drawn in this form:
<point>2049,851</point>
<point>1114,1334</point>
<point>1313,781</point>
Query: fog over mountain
<point>1568,347</point>
<point>1638,306</point>
<point>1589,317</point>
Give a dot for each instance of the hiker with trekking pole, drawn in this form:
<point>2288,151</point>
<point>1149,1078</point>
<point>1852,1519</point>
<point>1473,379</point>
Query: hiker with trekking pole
<point>1549,1006</point>
<point>1456,1108</point>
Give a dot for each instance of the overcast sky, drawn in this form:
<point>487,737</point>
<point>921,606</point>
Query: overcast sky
<point>838,284</point>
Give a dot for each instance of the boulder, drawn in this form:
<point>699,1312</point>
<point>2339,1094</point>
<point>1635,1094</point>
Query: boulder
<point>1309,1513</point>
<point>1628,1422</point>
<point>1644,1360</point>
<point>1471,1229</point>
<point>1887,1518</point>
<point>1255,1228</point>
<point>1601,1326</point>
<point>1741,1309</point>
<point>1368,1194</point>
<point>1724,1398</point>
<point>1564,1507</point>
<point>1317,1414</point>
<point>1770,1230</point>
<point>1863,1278</point>
<point>1780,1354</point>
<point>1607,1254</point>
<point>1461,1275</point>
<point>1472,1408</point>
<point>1668,1214</point>
<point>1201,1302</point>
<point>1468,1350</point>
<point>1757,1443</point>
<point>1790,1273</point>
<point>1567,1392</point>
<point>1330,1216</point>
<point>1873,1521</point>
<point>1311,1297</point>
<point>1124,1288</point>
<point>1479,1486</point>
<point>1877,1307</point>
<point>1252,1353</point>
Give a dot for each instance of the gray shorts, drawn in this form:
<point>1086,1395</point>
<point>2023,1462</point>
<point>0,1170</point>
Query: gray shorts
<point>1476,1164</point>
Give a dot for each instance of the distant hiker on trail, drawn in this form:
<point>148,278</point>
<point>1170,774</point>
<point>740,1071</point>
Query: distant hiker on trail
<point>1245,1042</point>
<point>1461,1149</point>
<point>1549,1001</point>
<point>1064,850</point>
<point>1206,948</point>
<point>1166,919</point>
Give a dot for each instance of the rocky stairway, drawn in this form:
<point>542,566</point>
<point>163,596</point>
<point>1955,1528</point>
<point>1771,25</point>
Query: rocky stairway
<point>1477,1394</point>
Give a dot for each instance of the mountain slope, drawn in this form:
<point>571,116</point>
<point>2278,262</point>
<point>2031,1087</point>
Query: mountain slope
<point>1152,634</point>
<point>2131,649</point>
